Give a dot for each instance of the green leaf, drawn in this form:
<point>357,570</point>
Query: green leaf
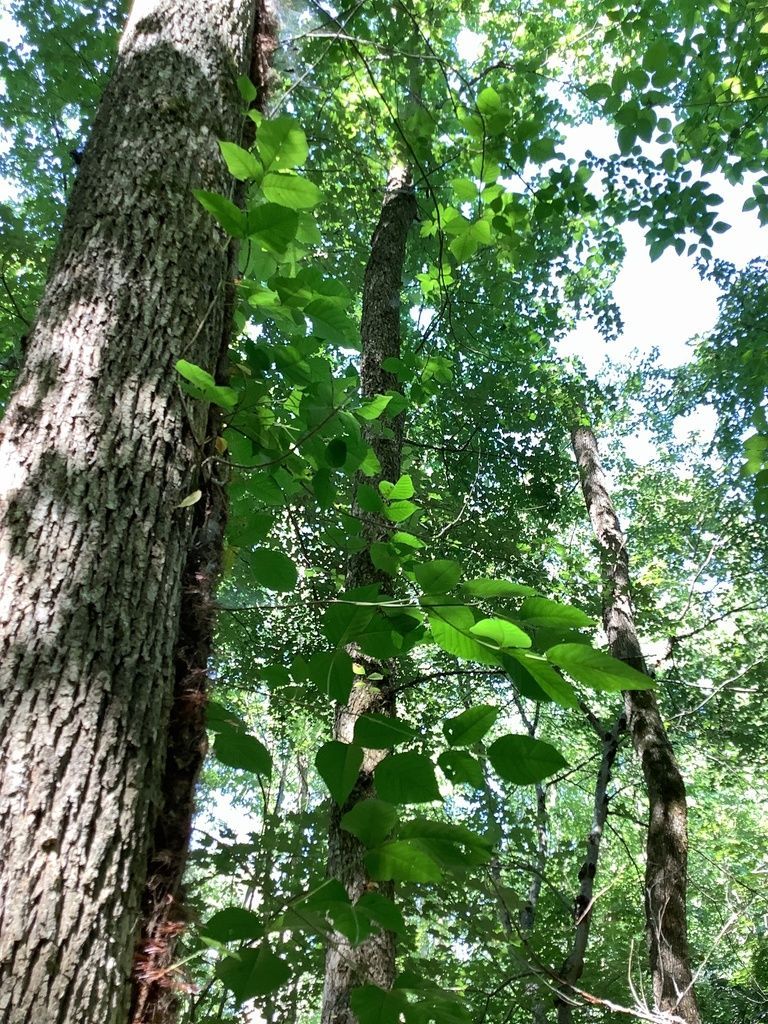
<point>240,163</point>
<point>449,845</point>
<point>402,489</point>
<point>339,766</point>
<point>450,626</point>
<point>252,972</point>
<point>273,570</point>
<point>271,226</point>
<point>524,760</point>
<point>406,779</point>
<point>282,143</point>
<point>229,216</point>
<point>470,726</point>
<point>240,750</point>
<point>439,576</point>
<point>380,732</point>
<point>350,922</point>
<point>540,611</point>
<point>484,588</point>
<point>233,923</point>
<point>336,452</point>
<point>402,860</point>
<point>374,1005</point>
<point>459,767</point>
<point>383,911</point>
<point>596,669</point>
<point>290,190</point>
<point>372,409</point>
<point>331,672</point>
<point>488,101</point>
<point>371,821</point>
<point>551,683</point>
<point>195,375</point>
<point>504,633</point>
<point>246,88</point>
<point>399,511</point>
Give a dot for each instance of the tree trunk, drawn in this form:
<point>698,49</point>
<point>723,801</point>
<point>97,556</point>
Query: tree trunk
<point>667,842</point>
<point>99,566</point>
<point>372,962</point>
<point>573,967</point>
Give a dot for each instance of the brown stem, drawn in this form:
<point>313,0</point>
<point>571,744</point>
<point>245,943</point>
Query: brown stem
<point>373,961</point>
<point>667,840</point>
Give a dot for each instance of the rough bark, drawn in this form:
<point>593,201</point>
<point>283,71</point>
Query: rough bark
<point>372,962</point>
<point>98,448</point>
<point>156,985</point>
<point>573,967</point>
<point>667,840</point>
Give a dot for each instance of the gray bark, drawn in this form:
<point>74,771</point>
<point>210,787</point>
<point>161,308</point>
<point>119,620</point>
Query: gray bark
<point>97,449</point>
<point>373,961</point>
<point>666,871</point>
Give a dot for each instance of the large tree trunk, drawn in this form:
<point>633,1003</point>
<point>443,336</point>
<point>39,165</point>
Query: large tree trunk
<point>667,842</point>
<point>99,446</point>
<point>372,962</point>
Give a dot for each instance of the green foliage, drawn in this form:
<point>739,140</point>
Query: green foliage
<point>487,590</point>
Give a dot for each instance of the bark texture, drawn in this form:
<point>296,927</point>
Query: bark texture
<point>573,967</point>
<point>372,962</point>
<point>667,843</point>
<point>97,450</point>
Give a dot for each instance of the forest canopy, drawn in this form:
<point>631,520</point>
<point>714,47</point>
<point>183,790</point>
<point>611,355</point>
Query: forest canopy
<point>371,652</point>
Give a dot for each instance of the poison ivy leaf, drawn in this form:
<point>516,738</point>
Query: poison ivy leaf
<point>406,779</point>
<point>371,821</point>
<point>252,972</point>
<point>399,511</point>
<point>460,767</point>
<point>470,726</point>
<point>290,190</point>
<point>240,163</point>
<point>372,409</point>
<point>352,924</point>
<point>449,845</point>
<point>374,1005</point>
<point>523,760</point>
<point>272,569</point>
<point>450,625</point>
<point>540,611</point>
<point>596,669</point>
<point>229,216</point>
<point>402,489</point>
<point>504,633</point>
<point>550,682</point>
<point>339,766</point>
<point>336,452</point>
<point>246,88</point>
<point>272,226</point>
<point>383,911</point>
<point>281,143</point>
<point>240,750</point>
<point>402,861</point>
<point>227,398</point>
<point>438,577</point>
<point>484,588</point>
<point>331,672</point>
<point>379,732</point>
<point>233,923</point>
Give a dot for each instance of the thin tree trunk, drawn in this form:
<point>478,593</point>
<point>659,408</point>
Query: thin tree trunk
<point>573,967</point>
<point>100,568</point>
<point>667,842</point>
<point>372,962</point>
